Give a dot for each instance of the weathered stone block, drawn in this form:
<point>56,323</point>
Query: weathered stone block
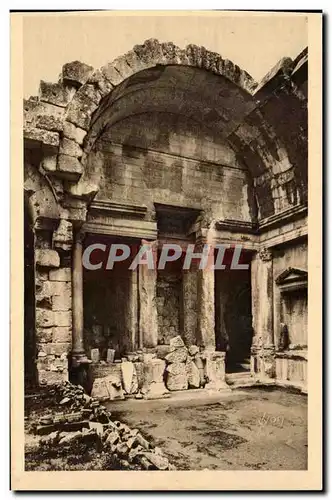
<point>94,355</point>
<point>127,373</point>
<point>178,356</point>
<point>193,349</point>
<point>62,302</point>
<point>114,387</point>
<point>97,79</point>
<point>154,378</point>
<point>76,73</point>
<point>110,355</point>
<point>62,318</point>
<point>44,318</point>
<point>90,92</point>
<point>70,147</point>
<point>47,258</point>
<point>194,379</point>
<point>77,134</point>
<point>55,349</point>
<point>79,111</point>
<point>112,74</point>
<point>44,334</point>
<point>60,287</point>
<point>176,343</point>
<point>49,122</point>
<point>55,93</point>
<point>51,378</point>
<point>49,163</point>
<point>177,379</point>
<point>69,167</point>
<point>99,389</point>
<point>41,136</point>
<point>62,334</point>
<point>43,290</point>
<point>63,274</point>
<point>63,235</point>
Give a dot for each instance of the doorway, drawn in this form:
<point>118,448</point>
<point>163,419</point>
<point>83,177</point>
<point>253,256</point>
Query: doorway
<point>233,317</point>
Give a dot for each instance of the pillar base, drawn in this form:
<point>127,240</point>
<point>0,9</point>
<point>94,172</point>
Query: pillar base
<point>80,359</point>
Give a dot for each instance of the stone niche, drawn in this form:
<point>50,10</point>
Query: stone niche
<point>292,284</point>
<point>291,355</point>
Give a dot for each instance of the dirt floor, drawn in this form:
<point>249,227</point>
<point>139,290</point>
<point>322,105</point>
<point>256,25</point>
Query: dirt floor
<point>247,429</point>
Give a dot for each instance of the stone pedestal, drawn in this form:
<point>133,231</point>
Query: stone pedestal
<point>215,371</point>
<point>153,385</point>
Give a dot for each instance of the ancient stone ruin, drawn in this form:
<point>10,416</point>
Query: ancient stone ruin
<point>166,145</point>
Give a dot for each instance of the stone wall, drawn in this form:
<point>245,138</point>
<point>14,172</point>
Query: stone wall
<point>160,160</point>
<point>53,317</point>
<point>168,306</point>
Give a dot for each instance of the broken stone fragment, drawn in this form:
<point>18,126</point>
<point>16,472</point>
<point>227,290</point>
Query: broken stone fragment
<point>114,387</point>
<point>177,379</point>
<point>47,258</point>
<point>41,136</point>
<point>65,401</point>
<point>110,355</point>
<point>98,427</point>
<point>193,375</point>
<point>55,93</point>
<point>76,73</point>
<point>142,441</point>
<point>178,356</point>
<point>50,439</point>
<point>99,389</point>
<point>159,461</point>
<point>69,167</point>
<point>70,438</point>
<point>75,133</point>
<point>127,373</point>
<point>176,343</point>
<point>70,147</point>
<point>193,349</point>
<point>94,355</point>
<point>49,122</point>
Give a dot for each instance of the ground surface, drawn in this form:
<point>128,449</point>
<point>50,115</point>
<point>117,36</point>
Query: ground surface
<point>255,429</point>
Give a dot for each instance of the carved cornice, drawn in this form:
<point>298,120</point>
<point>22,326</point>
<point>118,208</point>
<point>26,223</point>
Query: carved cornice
<point>113,208</point>
<point>283,217</point>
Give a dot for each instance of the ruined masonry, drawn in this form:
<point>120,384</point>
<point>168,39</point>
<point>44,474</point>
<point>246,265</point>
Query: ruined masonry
<point>166,145</point>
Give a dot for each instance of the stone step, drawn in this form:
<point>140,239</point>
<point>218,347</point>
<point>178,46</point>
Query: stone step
<point>239,379</point>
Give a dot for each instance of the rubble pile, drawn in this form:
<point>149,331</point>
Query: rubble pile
<point>80,422</point>
<point>154,374</point>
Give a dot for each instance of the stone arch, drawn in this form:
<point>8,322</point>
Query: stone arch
<point>93,97</point>
<point>65,117</point>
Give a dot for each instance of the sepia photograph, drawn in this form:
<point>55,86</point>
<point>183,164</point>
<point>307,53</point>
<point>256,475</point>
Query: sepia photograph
<point>162,230</point>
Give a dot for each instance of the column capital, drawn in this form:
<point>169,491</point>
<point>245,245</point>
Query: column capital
<point>265,254</point>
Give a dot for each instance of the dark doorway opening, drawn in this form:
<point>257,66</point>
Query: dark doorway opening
<point>110,300</point>
<point>233,317</point>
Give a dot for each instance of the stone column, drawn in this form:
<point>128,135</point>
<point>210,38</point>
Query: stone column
<point>262,362</point>
<point>205,309</point>
<point>189,306</point>
<point>147,291</point>
<point>78,354</point>
<point>132,313</point>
